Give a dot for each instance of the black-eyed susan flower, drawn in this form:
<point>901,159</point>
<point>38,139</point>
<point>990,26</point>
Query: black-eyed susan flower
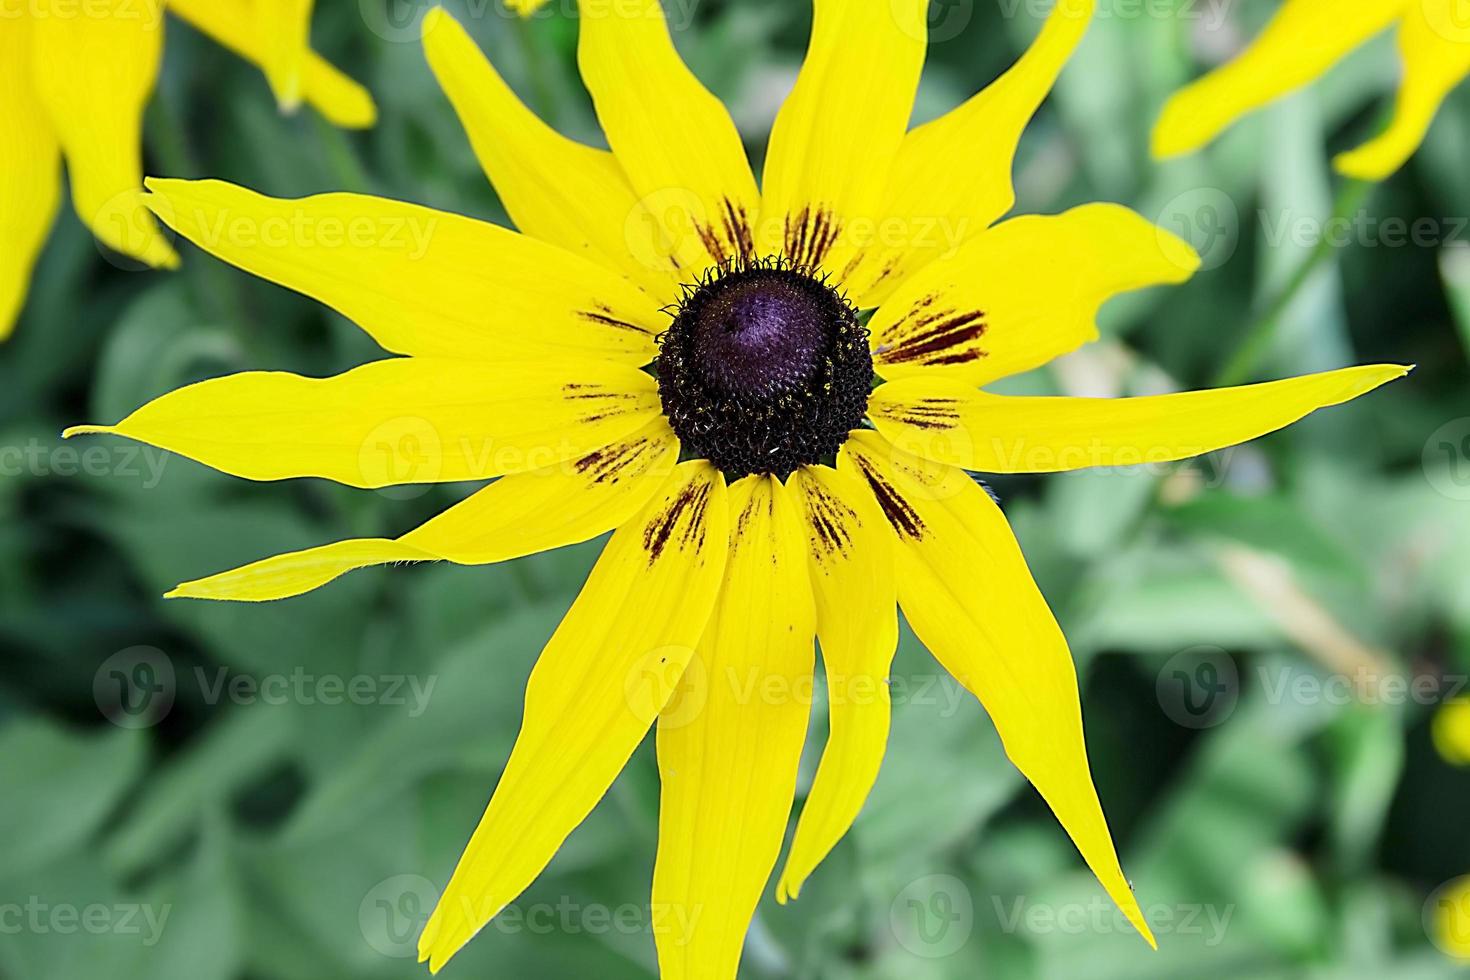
<point>670,353</point>
<point>76,77</point>
<point>1303,41</point>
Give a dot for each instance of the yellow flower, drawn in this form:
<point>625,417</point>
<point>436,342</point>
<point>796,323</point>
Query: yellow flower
<point>1452,731</point>
<point>76,75</point>
<point>526,360</point>
<point>1304,40</point>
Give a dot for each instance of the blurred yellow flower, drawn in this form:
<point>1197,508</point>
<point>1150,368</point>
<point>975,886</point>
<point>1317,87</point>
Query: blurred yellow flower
<point>1452,731</point>
<point>75,78</point>
<point>1448,918</point>
<point>1304,40</point>
<point>809,502</point>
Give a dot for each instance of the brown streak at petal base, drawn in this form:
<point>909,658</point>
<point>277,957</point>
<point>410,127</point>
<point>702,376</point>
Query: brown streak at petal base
<point>619,459</point>
<point>604,315</point>
<point>691,503</point>
<point>810,236</point>
<point>828,518</point>
<point>737,243</point>
<point>905,519</point>
<point>927,413</point>
<point>937,337</point>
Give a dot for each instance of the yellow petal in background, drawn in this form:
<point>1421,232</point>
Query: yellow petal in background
<point>820,197</point>
<point>516,515</point>
<point>234,24</point>
<point>284,27</point>
<point>674,140</point>
<point>407,420</point>
<point>949,422</point>
<point>419,281</point>
<point>612,664</point>
<point>1022,293</point>
<point>1303,40</point>
<point>94,66</point>
<point>1434,41</point>
<point>730,741</point>
<point>852,570</point>
<point>965,589</point>
<point>952,176</point>
<point>554,188</point>
<point>30,169</point>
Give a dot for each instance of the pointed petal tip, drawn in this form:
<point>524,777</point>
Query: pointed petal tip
<point>87,430</point>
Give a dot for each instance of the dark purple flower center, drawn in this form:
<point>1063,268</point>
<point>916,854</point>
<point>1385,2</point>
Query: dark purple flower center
<point>764,369</point>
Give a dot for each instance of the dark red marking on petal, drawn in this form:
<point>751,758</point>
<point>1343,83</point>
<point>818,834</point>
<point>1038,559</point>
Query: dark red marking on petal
<point>905,520</point>
<point>809,236</point>
<point>944,336</point>
<point>829,520</point>
<point>605,315</point>
<point>689,504</point>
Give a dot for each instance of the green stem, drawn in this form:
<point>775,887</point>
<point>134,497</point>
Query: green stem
<point>1261,332</point>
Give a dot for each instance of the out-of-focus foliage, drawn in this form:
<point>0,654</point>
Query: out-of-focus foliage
<point>220,792</point>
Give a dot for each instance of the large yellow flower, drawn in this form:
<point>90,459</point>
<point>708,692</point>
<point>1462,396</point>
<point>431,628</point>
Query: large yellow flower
<point>75,76</point>
<point>1304,40</point>
<point>760,491</point>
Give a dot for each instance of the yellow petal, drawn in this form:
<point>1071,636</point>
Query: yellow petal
<point>965,589</point>
<point>405,420</point>
<point>611,666</point>
<point>1435,44</point>
<point>339,99</point>
<point>516,515</point>
<point>285,28</point>
<point>674,140</point>
<point>949,422</point>
<point>1022,293</point>
<point>554,188</point>
<point>1303,40</point>
<point>820,195</point>
<point>730,741</point>
<point>30,169</point>
<point>525,7</point>
<point>94,74</point>
<point>952,177</point>
<point>419,281</point>
<point>852,571</point>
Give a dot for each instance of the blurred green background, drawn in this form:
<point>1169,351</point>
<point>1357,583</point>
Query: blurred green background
<point>280,787</point>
